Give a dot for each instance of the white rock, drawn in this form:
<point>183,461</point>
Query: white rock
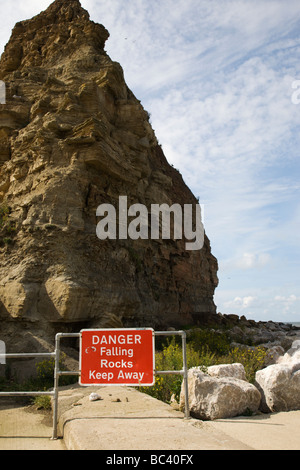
<point>219,397</point>
<point>279,383</point>
<point>292,355</point>
<point>94,396</point>
<point>228,370</point>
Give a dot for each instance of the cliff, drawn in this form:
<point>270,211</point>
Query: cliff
<point>73,137</point>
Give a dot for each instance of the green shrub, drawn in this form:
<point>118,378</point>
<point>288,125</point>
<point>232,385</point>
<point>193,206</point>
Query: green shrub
<point>252,359</point>
<point>45,373</point>
<point>45,370</point>
<point>43,402</point>
<point>215,342</point>
<point>170,358</point>
<point>199,354</point>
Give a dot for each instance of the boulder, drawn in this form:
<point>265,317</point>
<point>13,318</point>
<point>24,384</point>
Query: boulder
<point>219,397</point>
<point>235,370</point>
<point>279,383</point>
<point>273,354</point>
<point>292,355</point>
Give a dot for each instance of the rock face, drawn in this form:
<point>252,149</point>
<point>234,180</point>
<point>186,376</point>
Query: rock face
<point>73,136</point>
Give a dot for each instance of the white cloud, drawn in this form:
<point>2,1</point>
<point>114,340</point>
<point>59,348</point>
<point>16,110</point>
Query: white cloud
<point>240,302</point>
<point>281,298</point>
<point>217,79</point>
<point>288,304</point>
<point>261,304</point>
<point>251,260</point>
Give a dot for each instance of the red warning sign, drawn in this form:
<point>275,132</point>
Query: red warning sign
<point>117,357</point>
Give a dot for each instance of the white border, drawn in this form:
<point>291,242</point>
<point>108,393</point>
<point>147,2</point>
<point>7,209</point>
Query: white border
<point>117,384</point>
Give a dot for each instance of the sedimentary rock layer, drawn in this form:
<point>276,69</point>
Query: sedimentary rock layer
<point>73,136</point>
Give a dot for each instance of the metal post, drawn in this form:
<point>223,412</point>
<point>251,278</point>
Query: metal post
<point>57,374</point>
<point>185,377</point>
<point>55,390</point>
<point>183,372</point>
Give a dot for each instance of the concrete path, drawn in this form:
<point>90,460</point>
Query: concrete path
<point>21,428</point>
<point>124,419</point>
<point>275,431</point>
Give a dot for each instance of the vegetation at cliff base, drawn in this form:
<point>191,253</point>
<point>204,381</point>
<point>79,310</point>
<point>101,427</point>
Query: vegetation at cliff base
<point>203,349</point>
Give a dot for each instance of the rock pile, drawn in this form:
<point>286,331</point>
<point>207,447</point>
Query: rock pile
<point>241,331</point>
<point>267,333</point>
<point>279,383</point>
<point>223,392</point>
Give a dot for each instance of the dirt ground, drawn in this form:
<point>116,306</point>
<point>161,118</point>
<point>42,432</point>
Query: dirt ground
<point>23,427</point>
<point>124,419</point>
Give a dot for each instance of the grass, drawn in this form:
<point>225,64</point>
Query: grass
<point>43,402</point>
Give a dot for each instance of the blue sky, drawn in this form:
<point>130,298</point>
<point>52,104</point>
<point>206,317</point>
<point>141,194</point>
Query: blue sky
<point>216,77</point>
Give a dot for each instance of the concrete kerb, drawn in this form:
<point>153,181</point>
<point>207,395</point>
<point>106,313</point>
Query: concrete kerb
<point>125,419</point>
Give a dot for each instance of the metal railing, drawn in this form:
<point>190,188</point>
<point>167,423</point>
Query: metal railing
<point>58,372</point>
<point>23,356</point>
<point>183,371</point>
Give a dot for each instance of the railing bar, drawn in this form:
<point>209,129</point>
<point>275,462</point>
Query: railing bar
<point>175,372</point>
<point>21,355</point>
<point>24,394</point>
<point>168,333</point>
<point>68,372</point>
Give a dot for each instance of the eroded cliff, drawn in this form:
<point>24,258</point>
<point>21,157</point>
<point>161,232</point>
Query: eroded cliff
<point>73,136</point>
